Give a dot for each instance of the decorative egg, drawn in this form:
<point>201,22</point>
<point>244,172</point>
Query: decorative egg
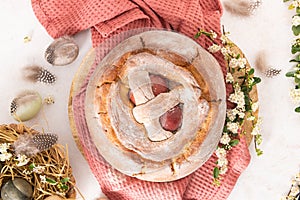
<point>62,51</point>
<point>17,189</point>
<point>55,197</point>
<point>26,105</point>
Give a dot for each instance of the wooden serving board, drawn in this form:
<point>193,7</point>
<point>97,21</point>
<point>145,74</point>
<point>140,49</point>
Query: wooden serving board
<point>85,67</point>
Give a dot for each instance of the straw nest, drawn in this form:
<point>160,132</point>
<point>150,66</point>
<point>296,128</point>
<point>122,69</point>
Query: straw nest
<point>48,171</point>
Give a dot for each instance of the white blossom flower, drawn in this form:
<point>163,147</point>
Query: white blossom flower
<point>241,115</point>
<point>294,190</point>
<point>222,161</point>
<point>225,51</point>
<point>297,76</point>
<point>233,127</point>
<point>43,179</point>
<point>22,160</point>
<point>213,34</point>
<point>296,41</point>
<point>231,114</point>
<point>214,48</point>
<point>295,95</point>
<point>60,193</point>
<point>296,3</point>
<point>229,78</point>
<point>225,139</point>
<point>254,106</point>
<point>240,62</point>
<point>237,97</point>
<point>27,172</point>
<point>296,20</point>
<point>223,169</point>
<point>224,39</point>
<point>250,118</point>
<point>38,169</point>
<point>4,147</point>
<point>5,156</point>
<point>294,182</point>
<point>297,178</point>
<point>220,152</point>
<point>256,129</point>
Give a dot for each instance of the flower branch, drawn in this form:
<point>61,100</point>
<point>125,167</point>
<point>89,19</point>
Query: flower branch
<point>241,77</point>
<point>295,50</point>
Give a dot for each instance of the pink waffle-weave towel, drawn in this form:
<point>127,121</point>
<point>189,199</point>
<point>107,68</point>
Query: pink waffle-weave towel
<point>107,18</point>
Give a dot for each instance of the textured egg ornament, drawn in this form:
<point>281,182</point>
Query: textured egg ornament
<point>26,105</point>
<point>62,51</point>
<point>17,189</point>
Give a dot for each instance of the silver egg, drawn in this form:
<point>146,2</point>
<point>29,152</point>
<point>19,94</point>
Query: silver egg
<point>26,105</point>
<point>62,51</point>
<point>17,189</point>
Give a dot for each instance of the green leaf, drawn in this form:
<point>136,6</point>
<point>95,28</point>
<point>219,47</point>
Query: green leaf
<point>216,172</point>
<point>65,180</point>
<point>259,152</point>
<point>290,74</point>
<point>225,130</point>
<point>244,89</point>
<point>234,142</point>
<point>286,0</point>
<point>297,80</point>
<point>297,109</point>
<point>297,58</point>
<point>197,35</point>
<point>31,166</point>
<point>256,80</point>
<point>64,187</point>
<point>293,60</point>
<point>251,71</point>
<point>298,10</point>
<point>296,30</point>
<point>51,181</point>
<point>295,49</point>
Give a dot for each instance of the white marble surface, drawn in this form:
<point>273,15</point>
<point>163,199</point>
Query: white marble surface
<point>267,177</point>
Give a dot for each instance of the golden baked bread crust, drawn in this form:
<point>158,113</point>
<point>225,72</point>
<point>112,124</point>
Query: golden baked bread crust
<point>116,73</point>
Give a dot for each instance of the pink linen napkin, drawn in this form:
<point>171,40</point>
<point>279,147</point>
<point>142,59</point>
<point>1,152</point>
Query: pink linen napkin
<point>107,18</point>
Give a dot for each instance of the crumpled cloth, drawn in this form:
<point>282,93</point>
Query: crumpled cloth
<point>107,18</point>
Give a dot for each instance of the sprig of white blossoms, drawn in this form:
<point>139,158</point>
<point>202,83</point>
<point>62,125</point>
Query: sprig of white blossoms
<point>296,20</point>
<point>296,3</point>
<point>222,161</point>
<point>295,189</point>
<point>235,116</point>
<point>295,49</point>
<point>22,160</point>
<point>295,95</point>
<point>4,154</point>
